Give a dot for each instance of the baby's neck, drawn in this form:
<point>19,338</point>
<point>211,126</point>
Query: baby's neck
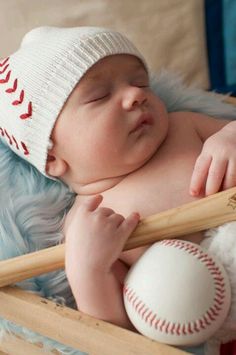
<point>97,187</point>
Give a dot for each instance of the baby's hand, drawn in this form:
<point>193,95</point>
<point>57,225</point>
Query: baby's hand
<point>215,168</point>
<point>95,236</point>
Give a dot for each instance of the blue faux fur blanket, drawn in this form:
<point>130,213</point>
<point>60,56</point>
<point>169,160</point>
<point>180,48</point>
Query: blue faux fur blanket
<point>32,207</point>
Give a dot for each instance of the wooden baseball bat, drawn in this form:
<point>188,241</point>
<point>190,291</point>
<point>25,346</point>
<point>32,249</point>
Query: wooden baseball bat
<point>192,217</point>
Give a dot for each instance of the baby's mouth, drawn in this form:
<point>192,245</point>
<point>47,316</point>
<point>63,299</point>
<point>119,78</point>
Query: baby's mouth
<point>145,119</point>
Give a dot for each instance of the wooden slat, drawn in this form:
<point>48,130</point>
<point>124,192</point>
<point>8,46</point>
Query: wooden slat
<point>74,328</point>
<point>230,100</point>
<point>12,344</point>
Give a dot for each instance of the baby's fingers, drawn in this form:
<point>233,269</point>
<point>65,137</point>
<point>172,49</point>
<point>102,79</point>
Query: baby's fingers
<point>216,175</point>
<point>230,176</point>
<point>129,224</point>
<point>199,176</point>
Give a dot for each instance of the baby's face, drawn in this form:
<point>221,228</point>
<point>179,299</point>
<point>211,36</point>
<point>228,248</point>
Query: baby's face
<point>111,124</point>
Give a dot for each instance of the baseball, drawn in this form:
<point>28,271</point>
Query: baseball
<point>177,293</point>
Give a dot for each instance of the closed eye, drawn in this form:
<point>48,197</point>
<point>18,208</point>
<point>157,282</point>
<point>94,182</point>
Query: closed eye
<point>141,79</point>
<point>98,98</point>
<point>142,85</point>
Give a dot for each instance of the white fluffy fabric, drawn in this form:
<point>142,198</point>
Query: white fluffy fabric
<point>221,242</point>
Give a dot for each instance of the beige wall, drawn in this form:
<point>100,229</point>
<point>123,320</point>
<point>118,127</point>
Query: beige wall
<point>170,33</point>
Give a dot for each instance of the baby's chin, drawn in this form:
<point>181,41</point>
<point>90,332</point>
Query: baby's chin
<point>151,148</point>
<point>143,160</point>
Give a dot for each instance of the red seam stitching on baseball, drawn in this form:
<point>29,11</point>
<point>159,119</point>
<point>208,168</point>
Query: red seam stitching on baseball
<point>196,326</point>
<point>206,320</point>
<point>137,305</point>
<point>152,319</point>
<point>145,311</point>
<point>148,315</point>
<point>213,312</point>
<point>134,301</point>
<point>172,329</point>
<point>156,323</point>
<point>140,309</point>
<point>129,294</point>
<point>210,314</point>
<point>217,307</point>
<point>163,321</point>
<point>219,279</point>
<point>190,328</point>
<point>167,327</point>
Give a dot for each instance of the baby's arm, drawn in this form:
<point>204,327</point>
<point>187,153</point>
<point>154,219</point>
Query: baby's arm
<point>215,168</point>
<point>95,238</point>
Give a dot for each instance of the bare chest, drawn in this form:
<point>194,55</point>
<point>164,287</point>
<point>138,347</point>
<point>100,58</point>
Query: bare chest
<point>163,182</point>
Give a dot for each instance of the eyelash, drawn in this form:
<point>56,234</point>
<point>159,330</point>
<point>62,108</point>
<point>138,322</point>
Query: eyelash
<point>143,86</point>
<point>99,98</point>
<point>104,96</point>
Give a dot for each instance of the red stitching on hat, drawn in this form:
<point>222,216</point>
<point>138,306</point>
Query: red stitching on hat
<point>21,99</point>
<point>8,136</point>
<point>13,89</point>
<point>4,81</point>
<point>4,69</point>
<point>4,62</point>
<point>16,144</point>
<point>12,139</point>
<point>27,114</point>
<point>26,152</point>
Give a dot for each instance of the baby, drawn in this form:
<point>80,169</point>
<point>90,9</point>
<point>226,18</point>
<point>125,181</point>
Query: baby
<point>77,104</point>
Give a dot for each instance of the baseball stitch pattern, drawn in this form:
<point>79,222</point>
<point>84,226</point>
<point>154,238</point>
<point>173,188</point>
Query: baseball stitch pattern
<point>173,328</point>
<point>5,77</point>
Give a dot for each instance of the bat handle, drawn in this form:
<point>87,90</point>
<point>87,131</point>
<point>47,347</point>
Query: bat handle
<point>192,217</point>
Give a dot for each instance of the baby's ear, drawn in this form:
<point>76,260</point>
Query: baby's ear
<point>55,166</point>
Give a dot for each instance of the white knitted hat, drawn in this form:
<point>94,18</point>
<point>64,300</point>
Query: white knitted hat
<point>36,81</point>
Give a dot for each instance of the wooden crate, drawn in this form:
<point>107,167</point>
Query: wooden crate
<point>69,327</point>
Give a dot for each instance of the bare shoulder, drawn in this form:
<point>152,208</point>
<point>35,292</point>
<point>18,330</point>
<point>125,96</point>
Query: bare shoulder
<point>186,118</point>
<point>194,117</point>
<point>183,121</point>
<point>203,124</point>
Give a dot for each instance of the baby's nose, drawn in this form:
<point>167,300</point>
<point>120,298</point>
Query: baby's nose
<point>134,97</point>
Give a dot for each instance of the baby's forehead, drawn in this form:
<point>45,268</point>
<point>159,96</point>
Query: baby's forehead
<point>113,64</point>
